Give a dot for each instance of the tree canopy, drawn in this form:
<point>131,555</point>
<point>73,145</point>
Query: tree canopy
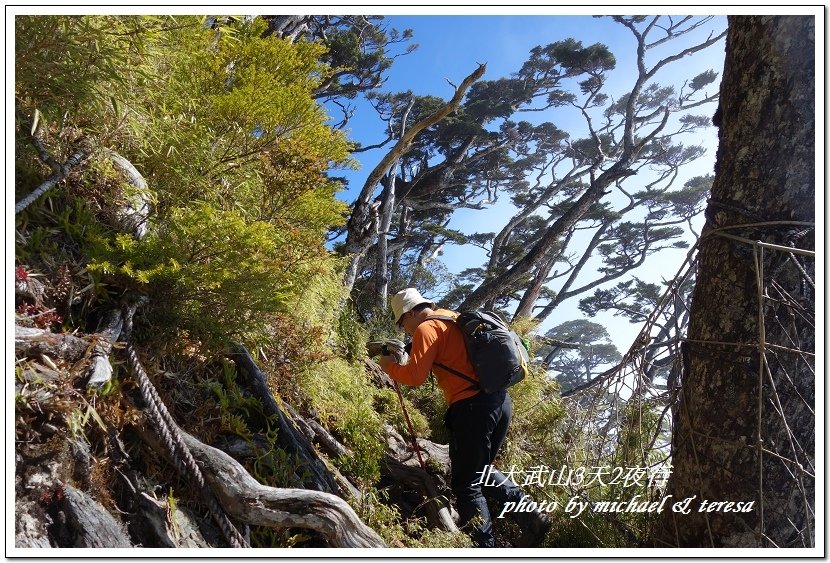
<point>616,186</point>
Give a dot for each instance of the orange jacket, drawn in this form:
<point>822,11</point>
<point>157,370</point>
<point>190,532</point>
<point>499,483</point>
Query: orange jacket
<point>437,341</point>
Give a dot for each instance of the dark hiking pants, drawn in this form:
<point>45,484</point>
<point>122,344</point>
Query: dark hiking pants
<point>477,427</point>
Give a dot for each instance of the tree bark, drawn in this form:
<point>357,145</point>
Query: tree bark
<point>387,207</point>
<point>35,341</point>
<point>86,523</point>
<point>744,429</point>
<point>537,283</point>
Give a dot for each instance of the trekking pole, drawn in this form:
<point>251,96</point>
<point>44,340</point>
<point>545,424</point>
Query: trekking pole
<point>409,424</point>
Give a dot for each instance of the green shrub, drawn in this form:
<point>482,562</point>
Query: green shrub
<point>208,273</point>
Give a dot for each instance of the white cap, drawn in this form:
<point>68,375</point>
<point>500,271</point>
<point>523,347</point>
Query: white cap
<point>406,300</point>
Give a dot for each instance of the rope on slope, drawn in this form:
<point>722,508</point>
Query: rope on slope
<point>173,441</point>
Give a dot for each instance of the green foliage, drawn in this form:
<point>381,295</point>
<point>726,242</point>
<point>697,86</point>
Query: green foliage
<point>351,334</point>
<point>360,431</point>
<point>342,396</point>
<point>375,511</point>
<point>430,407</point>
<point>235,408</point>
<point>211,273</point>
<point>222,124</point>
<point>536,435</point>
<point>633,299</point>
<point>275,467</point>
<point>387,404</point>
<point>79,69</point>
<point>339,391</point>
<point>638,431</point>
<point>576,366</point>
<point>238,125</point>
<point>57,231</point>
<point>358,48</point>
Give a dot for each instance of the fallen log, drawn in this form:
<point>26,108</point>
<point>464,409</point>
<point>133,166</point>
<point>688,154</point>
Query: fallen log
<point>315,432</point>
<point>400,465</point>
<point>246,500</point>
<point>326,440</point>
<point>35,341</point>
<point>289,437</point>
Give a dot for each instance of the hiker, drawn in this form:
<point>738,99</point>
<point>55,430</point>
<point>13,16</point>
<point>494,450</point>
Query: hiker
<point>477,421</point>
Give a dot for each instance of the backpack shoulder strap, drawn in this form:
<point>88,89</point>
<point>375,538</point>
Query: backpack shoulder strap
<point>475,384</point>
<point>443,317</point>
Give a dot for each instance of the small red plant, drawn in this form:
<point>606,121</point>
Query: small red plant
<point>40,315</point>
<point>53,495</point>
<point>20,274</point>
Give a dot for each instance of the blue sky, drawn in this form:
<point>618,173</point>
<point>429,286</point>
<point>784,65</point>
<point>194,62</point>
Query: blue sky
<point>450,47</point>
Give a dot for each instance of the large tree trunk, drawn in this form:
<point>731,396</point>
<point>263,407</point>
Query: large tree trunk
<point>745,424</point>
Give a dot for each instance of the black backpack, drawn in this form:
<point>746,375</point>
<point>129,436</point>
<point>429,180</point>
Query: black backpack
<point>498,355</point>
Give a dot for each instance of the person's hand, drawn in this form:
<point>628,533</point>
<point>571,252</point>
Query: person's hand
<point>386,361</point>
<point>375,348</point>
<point>390,347</point>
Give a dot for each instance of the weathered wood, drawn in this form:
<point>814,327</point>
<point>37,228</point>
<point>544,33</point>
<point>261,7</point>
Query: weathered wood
<point>161,523</point>
<point>131,216</point>
<point>88,523</point>
<point>32,342</point>
<point>30,523</point>
<point>169,526</point>
<point>315,432</point>
<point>400,465</point>
<point>326,440</point>
<point>100,369</point>
<point>301,423</point>
<point>289,437</point>
<point>436,455</point>
<point>381,378</point>
<point>28,287</point>
<point>246,500</point>
<point>239,448</point>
